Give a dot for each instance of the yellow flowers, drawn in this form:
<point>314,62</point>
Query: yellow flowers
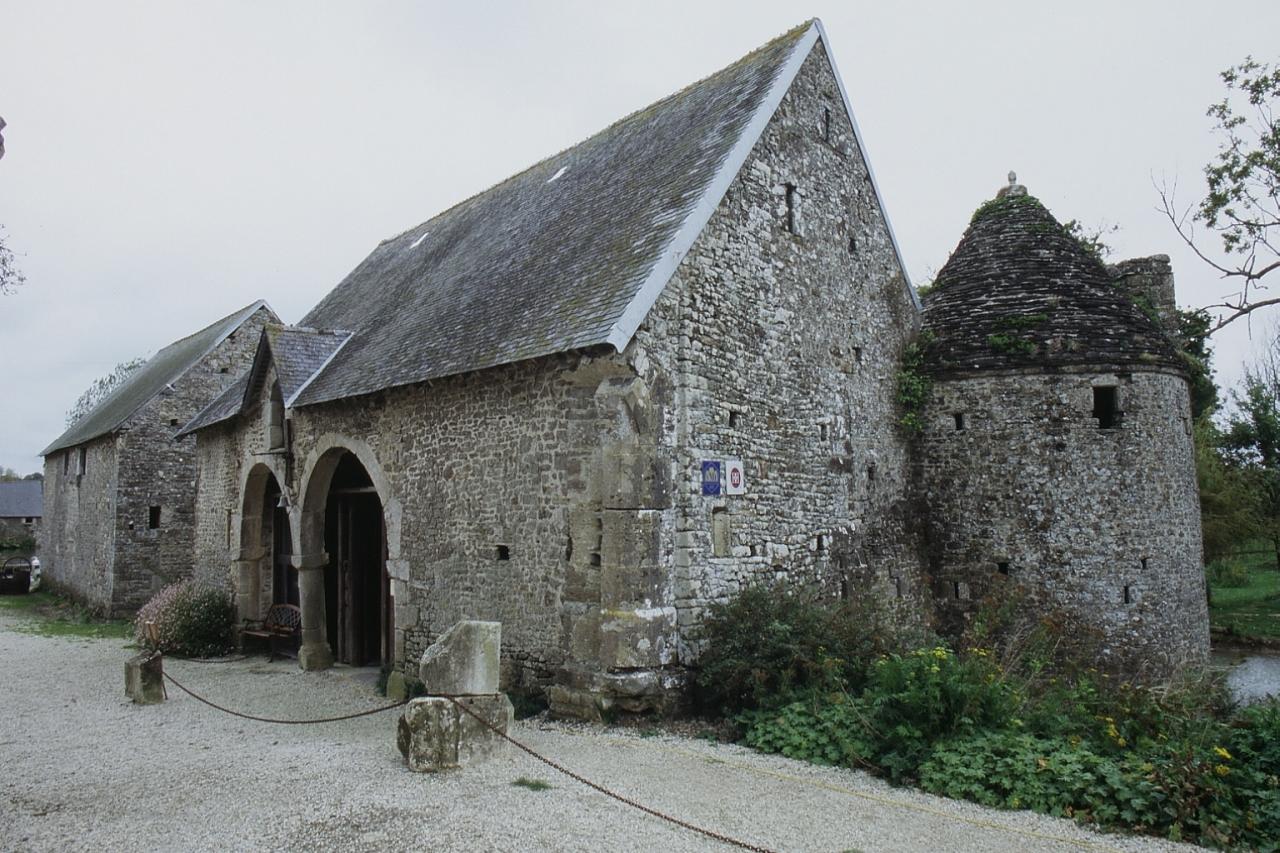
<point>1222,770</point>
<point>1222,753</point>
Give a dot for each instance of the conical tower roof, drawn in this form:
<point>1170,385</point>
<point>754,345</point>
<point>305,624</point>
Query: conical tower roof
<point>1020,292</point>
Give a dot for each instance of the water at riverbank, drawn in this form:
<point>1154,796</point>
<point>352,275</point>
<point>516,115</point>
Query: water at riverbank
<point>1252,674</point>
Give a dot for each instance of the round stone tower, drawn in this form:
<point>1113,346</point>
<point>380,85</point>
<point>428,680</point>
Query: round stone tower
<point>1056,454</point>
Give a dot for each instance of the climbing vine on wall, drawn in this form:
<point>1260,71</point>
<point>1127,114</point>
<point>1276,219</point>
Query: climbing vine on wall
<point>914,385</point>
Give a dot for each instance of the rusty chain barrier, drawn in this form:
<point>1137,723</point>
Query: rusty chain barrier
<point>454,698</point>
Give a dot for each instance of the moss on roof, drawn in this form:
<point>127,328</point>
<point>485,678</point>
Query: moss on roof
<point>1020,291</point>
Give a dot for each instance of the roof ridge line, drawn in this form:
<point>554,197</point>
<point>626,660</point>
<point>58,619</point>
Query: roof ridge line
<point>243,314</point>
<point>696,220</point>
<point>315,373</point>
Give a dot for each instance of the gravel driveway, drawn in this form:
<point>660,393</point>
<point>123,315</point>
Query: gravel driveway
<point>82,768</point>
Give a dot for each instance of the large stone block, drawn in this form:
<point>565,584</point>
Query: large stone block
<point>144,678</point>
<point>435,734</point>
<point>464,660</point>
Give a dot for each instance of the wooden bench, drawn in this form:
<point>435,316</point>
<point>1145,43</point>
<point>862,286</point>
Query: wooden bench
<point>283,622</point>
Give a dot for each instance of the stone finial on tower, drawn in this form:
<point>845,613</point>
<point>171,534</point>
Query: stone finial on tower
<point>1014,188</point>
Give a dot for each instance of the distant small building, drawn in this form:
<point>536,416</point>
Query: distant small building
<point>120,491</point>
<point>21,507</point>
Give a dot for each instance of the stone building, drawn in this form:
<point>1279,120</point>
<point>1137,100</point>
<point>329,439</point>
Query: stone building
<point>1057,454</point>
<point>625,383</point>
<point>517,410</point>
<point>21,508</point>
<point>119,492</point>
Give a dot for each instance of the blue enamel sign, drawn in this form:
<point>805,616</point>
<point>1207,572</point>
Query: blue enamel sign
<point>710,477</point>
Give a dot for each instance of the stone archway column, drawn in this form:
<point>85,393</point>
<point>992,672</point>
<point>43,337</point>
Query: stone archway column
<point>249,586</point>
<point>315,652</point>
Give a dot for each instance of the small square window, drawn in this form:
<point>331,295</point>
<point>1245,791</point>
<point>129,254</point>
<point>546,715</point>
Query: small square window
<point>1105,406</point>
<point>503,552</point>
<point>153,518</point>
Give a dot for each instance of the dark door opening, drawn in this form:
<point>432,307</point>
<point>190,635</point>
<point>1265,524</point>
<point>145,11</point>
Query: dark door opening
<point>275,520</point>
<point>357,589</point>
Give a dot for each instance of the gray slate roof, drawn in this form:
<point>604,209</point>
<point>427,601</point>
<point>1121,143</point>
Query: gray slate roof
<point>1019,292</point>
<point>297,353</point>
<point>569,254</point>
<point>23,499</point>
<point>164,368</point>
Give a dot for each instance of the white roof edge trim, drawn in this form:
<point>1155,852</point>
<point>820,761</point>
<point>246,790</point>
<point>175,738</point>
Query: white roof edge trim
<point>857,136</point>
<point>696,221</point>
<point>243,315</point>
<point>288,404</point>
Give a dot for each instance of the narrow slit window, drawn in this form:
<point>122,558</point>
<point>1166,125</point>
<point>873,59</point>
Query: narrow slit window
<point>794,224</point>
<point>844,589</point>
<point>822,431</point>
<point>153,518</point>
<point>1105,407</point>
<point>1128,594</point>
<point>1144,564</point>
<point>897,587</point>
<point>822,543</point>
<point>503,552</point>
<point>84,461</point>
<point>955,589</point>
<point>959,419</point>
<point>853,245</point>
<point>826,124</point>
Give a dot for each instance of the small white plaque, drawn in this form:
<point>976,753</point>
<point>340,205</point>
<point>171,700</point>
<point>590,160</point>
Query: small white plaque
<point>735,477</point>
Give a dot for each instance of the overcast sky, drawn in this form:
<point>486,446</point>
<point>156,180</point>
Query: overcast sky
<point>168,163</point>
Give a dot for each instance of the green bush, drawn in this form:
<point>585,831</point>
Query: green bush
<point>190,620</point>
<point>770,642</point>
<point>1011,721</point>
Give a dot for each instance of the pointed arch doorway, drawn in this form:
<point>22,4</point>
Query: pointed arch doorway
<point>358,605</point>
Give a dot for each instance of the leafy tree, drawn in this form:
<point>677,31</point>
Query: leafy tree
<point>10,276</point>
<point>99,390</point>
<point>1230,510</point>
<point>1242,206</point>
<point>8,475</point>
<point>1251,443</point>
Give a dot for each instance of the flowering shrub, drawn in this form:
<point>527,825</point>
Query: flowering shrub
<point>1001,725</point>
<point>190,620</point>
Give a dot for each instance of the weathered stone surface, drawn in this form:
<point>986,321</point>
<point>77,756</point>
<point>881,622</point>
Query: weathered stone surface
<point>97,541</point>
<point>397,689</point>
<point>144,678</point>
<point>434,734</point>
<point>561,496</point>
<point>464,660</point>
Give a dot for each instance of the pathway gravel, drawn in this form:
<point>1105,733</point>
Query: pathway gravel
<point>82,768</point>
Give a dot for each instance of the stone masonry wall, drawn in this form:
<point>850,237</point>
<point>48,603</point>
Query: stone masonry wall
<point>97,535</point>
<point>562,496</point>
<point>77,539</point>
<point>1099,525</point>
<point>783,330</point>
<point>156,471</point>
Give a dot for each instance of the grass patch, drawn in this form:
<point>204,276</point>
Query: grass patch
<point>50,615</point>
<point>532,784</point>
<point>1251,609</point>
